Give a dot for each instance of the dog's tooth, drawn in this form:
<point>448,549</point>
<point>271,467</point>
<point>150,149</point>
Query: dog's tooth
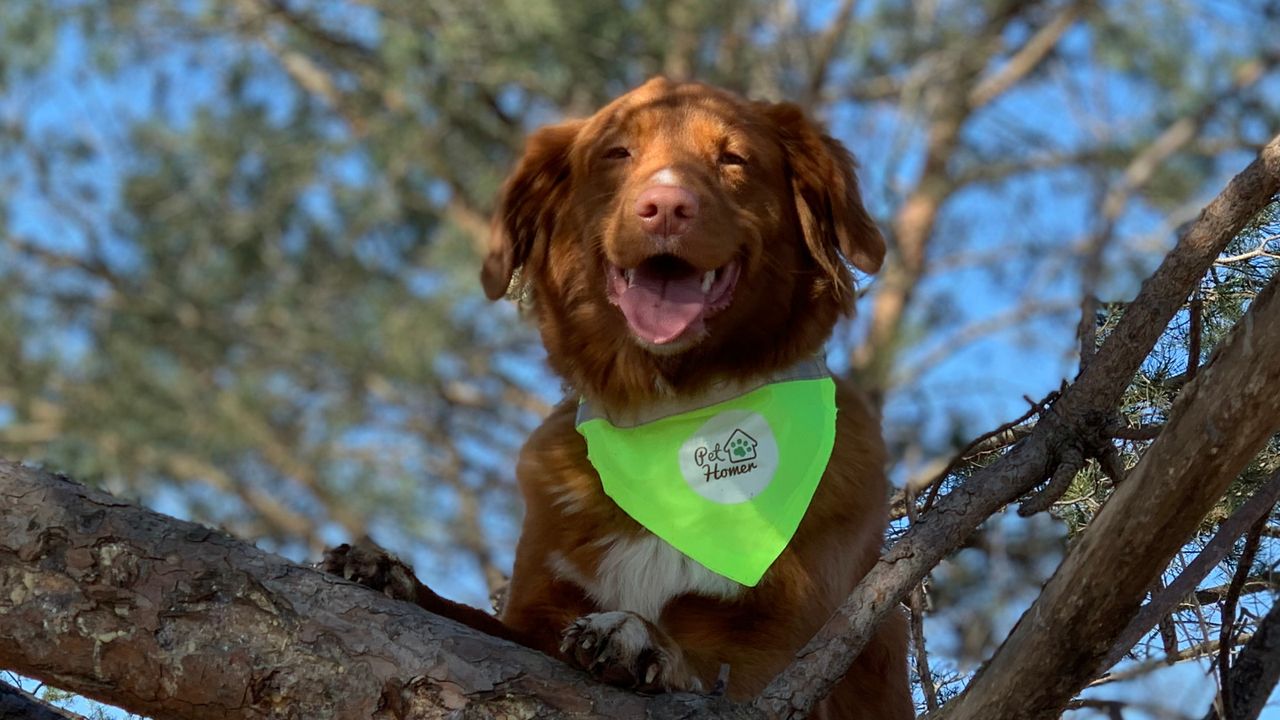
<point>629,276</point>
<point>708,278</point>
<point>651,674</point>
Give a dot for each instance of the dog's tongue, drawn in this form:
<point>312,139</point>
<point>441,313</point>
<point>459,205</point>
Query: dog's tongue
<point>660,306</point>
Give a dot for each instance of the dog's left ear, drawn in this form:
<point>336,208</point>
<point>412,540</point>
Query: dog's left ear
<point>825,183</point>
<point>532,197</point>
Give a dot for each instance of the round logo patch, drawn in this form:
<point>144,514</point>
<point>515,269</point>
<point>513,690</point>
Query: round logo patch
<point>731,458</point>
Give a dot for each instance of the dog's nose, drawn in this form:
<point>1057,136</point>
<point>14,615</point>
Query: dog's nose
<point>667,210</point>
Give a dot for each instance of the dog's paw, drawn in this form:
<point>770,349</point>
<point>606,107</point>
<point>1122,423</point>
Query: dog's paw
<point>622,648</point>
<point>370,565</point>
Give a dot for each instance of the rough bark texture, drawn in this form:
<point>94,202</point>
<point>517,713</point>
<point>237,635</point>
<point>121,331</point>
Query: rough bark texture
<point>172,619</point>
<point>1218,424</point>
<point>1166,601</point>
<point>1084,408</point>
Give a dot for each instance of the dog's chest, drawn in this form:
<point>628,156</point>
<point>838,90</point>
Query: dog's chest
<point>642,574</point>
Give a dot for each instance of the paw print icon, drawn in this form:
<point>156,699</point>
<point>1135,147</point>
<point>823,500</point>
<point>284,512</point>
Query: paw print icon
<point>741,447</point>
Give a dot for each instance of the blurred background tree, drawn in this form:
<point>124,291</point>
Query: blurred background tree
<point>238,240</point>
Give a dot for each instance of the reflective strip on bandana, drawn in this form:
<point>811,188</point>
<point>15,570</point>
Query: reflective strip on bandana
<point>728,483</point>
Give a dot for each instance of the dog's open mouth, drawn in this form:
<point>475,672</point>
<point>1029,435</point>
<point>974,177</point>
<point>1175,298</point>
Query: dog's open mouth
<point>665,298</point>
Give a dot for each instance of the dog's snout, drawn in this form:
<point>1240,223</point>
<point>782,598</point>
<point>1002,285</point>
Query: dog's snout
<point>666,210</point>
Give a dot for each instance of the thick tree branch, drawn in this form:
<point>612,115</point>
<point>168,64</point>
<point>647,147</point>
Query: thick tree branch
<point>171,619</point>
<point>1217,425</point>
<point>1087,403</point>
<point>1208,558</point>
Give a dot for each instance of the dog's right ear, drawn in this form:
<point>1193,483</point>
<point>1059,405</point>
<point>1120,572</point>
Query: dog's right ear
<point>531,199</point>
<point>836,225</point>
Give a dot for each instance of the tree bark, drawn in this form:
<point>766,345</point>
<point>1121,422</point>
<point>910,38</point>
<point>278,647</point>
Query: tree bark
<point>171,619</point>
<point>1217,425</point>
<point>1166,601</point>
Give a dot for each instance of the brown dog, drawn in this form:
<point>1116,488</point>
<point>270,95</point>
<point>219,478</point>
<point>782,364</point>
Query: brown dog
<point>680,241</point>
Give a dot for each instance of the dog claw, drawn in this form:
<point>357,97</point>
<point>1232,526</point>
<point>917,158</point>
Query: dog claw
<point>622,648</point>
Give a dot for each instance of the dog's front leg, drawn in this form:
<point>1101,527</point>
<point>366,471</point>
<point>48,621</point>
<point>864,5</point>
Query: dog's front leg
<point>367,563</point>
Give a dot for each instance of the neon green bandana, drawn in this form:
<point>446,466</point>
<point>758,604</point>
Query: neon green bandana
<point>726,483</point>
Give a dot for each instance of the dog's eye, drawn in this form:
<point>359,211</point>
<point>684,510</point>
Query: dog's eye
<point>617,153</point>
<point>728,158</point>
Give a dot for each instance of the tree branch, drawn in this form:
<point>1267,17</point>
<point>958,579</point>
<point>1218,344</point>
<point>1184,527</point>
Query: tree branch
<point>1089,401</point>
<point>993,441</point>
<point>1213,552</point>
<point>1229,603</point>
<point>1175,656</point>
<point>1256,671</point>
<point>1027,57</point>
<point>171,619</point>
<point>1217,425</point>
<point>1252,585</point>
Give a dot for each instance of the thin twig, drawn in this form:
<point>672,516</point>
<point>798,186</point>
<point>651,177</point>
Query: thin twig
<point>1026,58</point>
<point>927,686</point>
<point>1257,668</point>
<point>1194,332</point>
<point>1259,251</point>
<point>827,46</point>
<point>1229,610</point>
<point>915,603</point>
<point>1165,628</point>
<point>998,439</point>
<point>1194,652</point>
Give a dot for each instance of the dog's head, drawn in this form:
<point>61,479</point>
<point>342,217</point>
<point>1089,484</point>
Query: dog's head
<point>679,235</point>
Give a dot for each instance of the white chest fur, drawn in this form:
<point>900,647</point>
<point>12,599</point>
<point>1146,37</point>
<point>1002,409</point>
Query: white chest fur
<point>642,574</point>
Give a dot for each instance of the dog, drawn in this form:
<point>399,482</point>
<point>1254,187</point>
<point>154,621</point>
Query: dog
<point>682,250</point>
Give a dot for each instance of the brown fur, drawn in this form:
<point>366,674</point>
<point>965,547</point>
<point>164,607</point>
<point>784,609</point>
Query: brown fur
<point>791,215</point>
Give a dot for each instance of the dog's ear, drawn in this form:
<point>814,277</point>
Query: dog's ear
<point>825,184</point>
<point>528,205</point>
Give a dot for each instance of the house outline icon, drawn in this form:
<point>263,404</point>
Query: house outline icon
<point>738,433</point>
